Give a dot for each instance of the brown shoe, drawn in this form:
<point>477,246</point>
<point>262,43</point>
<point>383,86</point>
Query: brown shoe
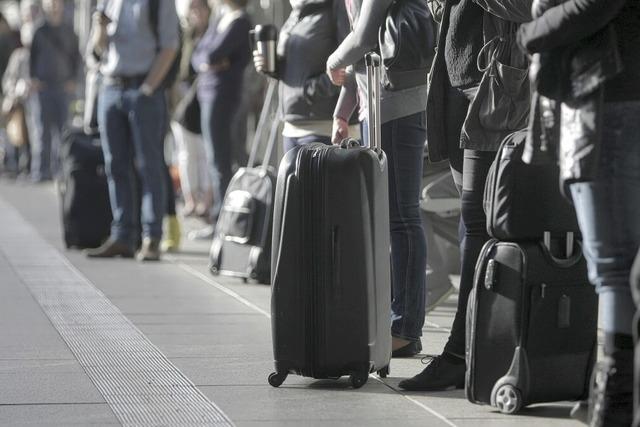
<point>150,250</point>
<point>110,249</point>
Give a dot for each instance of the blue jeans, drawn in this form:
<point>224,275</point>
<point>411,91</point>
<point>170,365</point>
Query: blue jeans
<point>48,114</point>
<point>217,116</point>
<point>403,142</point>
<point>132,132</point>
<point>608,211</point>
<point>289,142</point>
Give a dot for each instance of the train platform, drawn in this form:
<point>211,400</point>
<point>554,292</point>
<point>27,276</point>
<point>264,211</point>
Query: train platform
<point>117,342</point>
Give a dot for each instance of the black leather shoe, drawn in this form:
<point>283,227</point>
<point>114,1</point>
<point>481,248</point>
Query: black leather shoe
<point>440,374</point>
<point>150,250</point>
<point>409,350</point>
<point>611,394</point>
<point>110,249</point>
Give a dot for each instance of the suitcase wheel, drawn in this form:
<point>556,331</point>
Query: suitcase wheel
<point>358,379</point>
<point>507,399</point>
<point>384,372</point>
<point>276,379</point>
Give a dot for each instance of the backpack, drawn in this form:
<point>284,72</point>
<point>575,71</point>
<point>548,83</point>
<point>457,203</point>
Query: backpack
<point>154,20</point>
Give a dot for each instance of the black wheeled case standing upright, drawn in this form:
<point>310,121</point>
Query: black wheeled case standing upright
<point>531,327</point>
<point>241,244</point>
<point>331,290</point>
<point>83,191</point>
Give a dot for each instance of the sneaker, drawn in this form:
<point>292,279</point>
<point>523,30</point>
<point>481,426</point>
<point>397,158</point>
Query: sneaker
<point>443,373</point>
<point>171,242</point>
<point>112,248</point>
<point>205,233</point>
<point>150,250</point>
<point>409,350</point>
<point>611,394</point>
<point>437,291</point>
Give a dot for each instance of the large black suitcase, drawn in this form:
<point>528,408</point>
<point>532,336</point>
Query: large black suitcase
<point>531,327</point>
<point>83,191</point>
<point>331,288</point>
<point>241,245</point>
<point>522,201</point>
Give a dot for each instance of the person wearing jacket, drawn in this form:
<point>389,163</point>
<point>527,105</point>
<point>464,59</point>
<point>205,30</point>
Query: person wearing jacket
<point>220,58</point>
<point>403,134</point>
<point>307,97</point>
<point>454,81</point>
<point>607,201</point>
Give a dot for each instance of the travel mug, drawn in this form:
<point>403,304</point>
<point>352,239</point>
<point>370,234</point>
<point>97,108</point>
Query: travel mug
<point>265,38</point>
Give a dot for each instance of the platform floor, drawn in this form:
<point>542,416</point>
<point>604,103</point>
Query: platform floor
<point>117,342</point>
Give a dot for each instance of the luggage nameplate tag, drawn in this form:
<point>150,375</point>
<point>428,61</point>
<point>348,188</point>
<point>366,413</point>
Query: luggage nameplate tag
<point>564,312</point>
<point>490,274</point>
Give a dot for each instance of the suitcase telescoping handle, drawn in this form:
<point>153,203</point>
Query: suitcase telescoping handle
<point>374,127</point>
<point>266,115</point>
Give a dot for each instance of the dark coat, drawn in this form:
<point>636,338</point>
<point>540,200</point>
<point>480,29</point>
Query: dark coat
<point>440,141</point>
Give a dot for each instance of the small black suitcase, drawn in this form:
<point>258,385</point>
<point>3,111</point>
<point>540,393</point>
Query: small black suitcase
<point>83,191</point>
<point>531,327</point>
<point>331,290</point>
<point>241,244</point>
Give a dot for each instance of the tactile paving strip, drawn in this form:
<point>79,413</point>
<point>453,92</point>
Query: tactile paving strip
<point>140,384</point>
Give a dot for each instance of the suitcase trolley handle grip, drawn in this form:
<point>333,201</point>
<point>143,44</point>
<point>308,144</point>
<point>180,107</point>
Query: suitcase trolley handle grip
<point>374,67</point>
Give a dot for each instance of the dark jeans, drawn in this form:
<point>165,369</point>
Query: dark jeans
<point>49,115</point>
<point>403,142</point>
<point>608,210</point>
<point>217,115</point>
<point>474,174</point>
<point>131,127</point>
<point>289,142</point>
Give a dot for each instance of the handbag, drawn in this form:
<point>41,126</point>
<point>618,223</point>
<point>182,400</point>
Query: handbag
<point>501,105</point>
<point>407,42</point>
<point>187,111</point>
<point>16,127</point>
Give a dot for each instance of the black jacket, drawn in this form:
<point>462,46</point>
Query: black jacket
<point>575,20</point>
<point>311,33</point>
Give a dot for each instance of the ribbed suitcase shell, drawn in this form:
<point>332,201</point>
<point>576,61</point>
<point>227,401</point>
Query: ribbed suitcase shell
<point>330,268</point>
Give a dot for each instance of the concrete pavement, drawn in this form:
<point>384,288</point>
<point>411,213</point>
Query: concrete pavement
<point>211,332</point>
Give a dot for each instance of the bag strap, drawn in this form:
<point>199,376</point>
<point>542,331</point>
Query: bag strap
<point>265,115</point>
<point>490,52</point>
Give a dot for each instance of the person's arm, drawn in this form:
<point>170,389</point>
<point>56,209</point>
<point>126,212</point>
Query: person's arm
<point>364,37</point>
<point>168,40</point>
<point>567,23</point>
<point>234,38</point>
<point>509,10</point>
<point>345,107</point>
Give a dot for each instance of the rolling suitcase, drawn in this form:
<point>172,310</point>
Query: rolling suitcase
<point>331,290</point>
<point>241,244</point>
<point>83,191</point>
<point>531,326</point>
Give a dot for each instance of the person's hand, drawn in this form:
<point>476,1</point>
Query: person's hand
<point>222,65</point>
<point>538,7</point>
<point>340,130</point>
<point>258,61</point>
<point>100,37</point>
<point>337,76</point>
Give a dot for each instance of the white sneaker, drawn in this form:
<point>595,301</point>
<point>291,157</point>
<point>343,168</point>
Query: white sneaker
<point>205,233</point>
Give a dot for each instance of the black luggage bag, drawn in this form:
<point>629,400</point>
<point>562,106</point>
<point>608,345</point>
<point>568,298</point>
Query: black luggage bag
<point>241,244</point>
<point>522,201</point>
<point>83,191</point>
<point>331,290</point>
<point>531,327</point>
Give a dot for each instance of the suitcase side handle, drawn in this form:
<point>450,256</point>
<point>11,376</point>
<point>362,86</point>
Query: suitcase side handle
<point>374,66</point>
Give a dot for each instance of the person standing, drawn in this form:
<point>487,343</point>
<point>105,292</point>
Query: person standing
<point>312,32</point>
<point>604,175</point>
<point>54,66</point>
<point>132,114</point>
<point>220,59</point>
<point>403,136</point>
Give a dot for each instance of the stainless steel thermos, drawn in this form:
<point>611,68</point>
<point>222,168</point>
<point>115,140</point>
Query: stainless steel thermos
<point>265,38</point>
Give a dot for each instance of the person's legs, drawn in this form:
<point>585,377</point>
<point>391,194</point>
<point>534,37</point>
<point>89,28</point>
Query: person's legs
<point>145,115</point>
<point>403,142</point>
<point>607,210</point>
<point>41,144</point>
<point>187,165</point>
<point>60,115</point>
